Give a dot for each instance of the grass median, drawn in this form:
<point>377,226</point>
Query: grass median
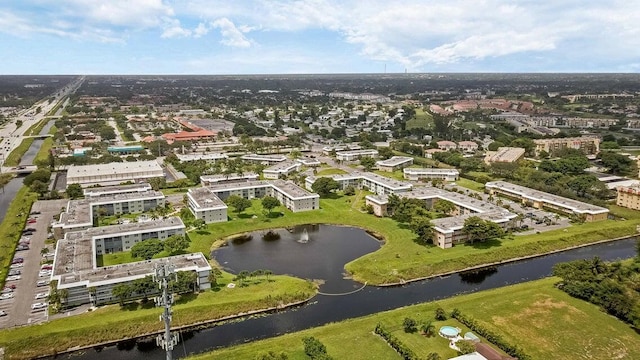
<point>11,227</point>
<point>544,321</point>
<point>113,322</point>
<point>401,258</point>
<point>13,159</point>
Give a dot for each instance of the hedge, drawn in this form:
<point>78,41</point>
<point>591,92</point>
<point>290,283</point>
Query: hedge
<point>395,343</point>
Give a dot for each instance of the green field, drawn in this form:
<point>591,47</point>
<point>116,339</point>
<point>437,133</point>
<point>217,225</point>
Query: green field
<point>13,159</point>
<point>544,321</point>
<point>401,258</point>
<point>470,184</point>
<point>113,322</point>
<point>422,120</point>
<point>396,175</point>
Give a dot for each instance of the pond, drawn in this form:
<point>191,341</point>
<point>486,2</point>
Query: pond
<point>316,252</point>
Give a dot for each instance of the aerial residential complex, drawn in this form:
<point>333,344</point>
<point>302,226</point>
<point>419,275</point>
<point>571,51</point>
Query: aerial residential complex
<point>353,155</point>
<point>590,145</point>
<point>265,159</point>
<point>375,183</point>
<point>81,214</point>
<point>394,163</point>
<point>504,155</point>
<point>628,196</point>
<point>448,231</point>
<point>75,266</point>
<point>206,203</point>
<point>540,200</point>
<point>281,169</point>
<point>113,173</point>
<point>208,180</point>
<point>417,174</point>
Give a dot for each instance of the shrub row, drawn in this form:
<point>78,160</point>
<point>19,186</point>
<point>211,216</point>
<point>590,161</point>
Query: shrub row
<point>491,337</point>
<point>395,343</point>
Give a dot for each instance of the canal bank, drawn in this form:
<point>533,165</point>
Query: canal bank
<point>326,309</point>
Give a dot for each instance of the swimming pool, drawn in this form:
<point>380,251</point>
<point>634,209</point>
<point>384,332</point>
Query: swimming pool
<point>449,332</point>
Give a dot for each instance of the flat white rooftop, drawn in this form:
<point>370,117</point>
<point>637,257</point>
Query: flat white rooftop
<point>426,171</point>
<point>395,161</point>
<point>207,157</point>
<point>375,178</point>
<point>205,199</point>
<point>268,158</point>
<point>116,189</point>
<point>284,166</point>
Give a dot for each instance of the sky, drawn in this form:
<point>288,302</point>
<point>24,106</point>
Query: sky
<point>317,36</point>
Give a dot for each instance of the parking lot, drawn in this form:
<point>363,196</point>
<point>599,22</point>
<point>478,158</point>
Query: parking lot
<point>19,307</point>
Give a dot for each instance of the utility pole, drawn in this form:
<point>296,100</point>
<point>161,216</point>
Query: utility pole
<point>162,274</point>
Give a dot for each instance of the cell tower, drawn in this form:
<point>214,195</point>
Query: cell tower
<point>164,272</point>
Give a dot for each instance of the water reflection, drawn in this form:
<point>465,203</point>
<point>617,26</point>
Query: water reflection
<point>477,276</point>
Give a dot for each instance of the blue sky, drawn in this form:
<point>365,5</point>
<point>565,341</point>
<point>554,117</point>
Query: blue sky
<point>317,36</point>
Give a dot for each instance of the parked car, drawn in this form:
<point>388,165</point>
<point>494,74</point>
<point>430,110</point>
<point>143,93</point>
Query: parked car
<point>13,278</point>
<point>31,221</point>
<point>34,213</point>
<point>6,296</point>
<point>46,267</point>
<point>6,290</point>
<point>16,266</point>
<point>42,295</point>
<point>14,272</point>
<point>17,260</point>
<point>11,286</point>
<point>39,306</point>
<point>41,283</point>
<point>3,313</point>
<point>22,247</point>
<point>30,229</point>
<point>44,273</point>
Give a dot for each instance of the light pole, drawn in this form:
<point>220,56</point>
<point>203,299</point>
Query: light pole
<point>162,274</point>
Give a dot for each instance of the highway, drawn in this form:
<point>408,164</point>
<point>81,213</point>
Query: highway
<point>12,136</point>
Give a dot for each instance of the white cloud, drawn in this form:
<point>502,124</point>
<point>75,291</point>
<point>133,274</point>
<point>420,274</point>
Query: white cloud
<point>173,29</point>
<point>201,30</point>
<point>125,13</point>
<point>231,35</point>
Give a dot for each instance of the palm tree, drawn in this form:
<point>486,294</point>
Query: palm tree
<point>267,273</point>
<point>428,328</point>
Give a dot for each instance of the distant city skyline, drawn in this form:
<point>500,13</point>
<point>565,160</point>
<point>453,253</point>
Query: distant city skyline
<point>317,36</point>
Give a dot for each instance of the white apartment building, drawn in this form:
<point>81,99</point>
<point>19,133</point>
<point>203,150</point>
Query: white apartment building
<point>281,169</point>
<point>375,183</point>
<point>116,189</point>
<point>81,214</point>
<point>113,173</point>
<point>394,163</point>
<point>208,180</point>
<point>206,205</point>
<point>264,159</point>
<point>353,155</point>
<point>210,158</point>
<point>418,174</point>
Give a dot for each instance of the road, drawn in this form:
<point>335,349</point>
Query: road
<point>13,136</point>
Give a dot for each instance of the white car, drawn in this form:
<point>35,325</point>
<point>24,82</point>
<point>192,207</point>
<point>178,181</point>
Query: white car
<point>16,266</point>
<point>14,278</point>
<point>6,296</point>
<point>39,306</point>
<point>42,283</point>
<point>3,313</point>
<point>42,295</point>
<point>44,273</point>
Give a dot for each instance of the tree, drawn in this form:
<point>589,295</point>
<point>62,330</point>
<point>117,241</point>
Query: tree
<point>481,230</point>
<point>315,349</point>
<point>385,153</point>
<point>39,187</point>
<point>324,186</point>
<point>495,145</point>
<point>409,325</point>
<point>239,203</point>
<point>176,244</point>
<point>582,184</point>
<point>444,207</point>
<point>199,224</point>
<point>421,225</point>
<point>157,183</point>
<point>147,248</point>
<point>428,329</point>
<point>616,163</point>
<point>349,190</point>
<point>122,292</point>
<point>214,276</point>
<point>186,281</point>
<point>465,347</point>
<point>272,356</point>
<point>440,314</point>
<point>144,287</point>
<point>269,203</point>
<point>433,356</point>
<point>74,191</point>
<point>42,175</point>
<point>368,162</point>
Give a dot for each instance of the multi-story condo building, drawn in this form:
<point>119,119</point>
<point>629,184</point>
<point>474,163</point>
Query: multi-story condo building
<point>113,173</point>
<point>206,205</point>
<point>81,214</point>
<point>353,155</point>
<point>281,169</point>
<point>628,197</point>
<point>543,200</point>
<point>264,159</point>
<point>417,174</point>
<point>210,158</point>
<point>208,180</point>
<point>394,163</point>
<point>505,155</point>
<point>590,145</point>
<point>373,182</point>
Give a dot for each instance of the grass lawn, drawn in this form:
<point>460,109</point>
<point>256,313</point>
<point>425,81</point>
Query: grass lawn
<point>330,171</point>
<point>544,321</point>
<point>422,120</point>
<point>470,184</point>
<point>13,159</point>
<point>113,322</point>
<point>11,227</point>
<point>400,258</point>
<point>397,175</point>
<point>174,191</point>
<point>43,154</point>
